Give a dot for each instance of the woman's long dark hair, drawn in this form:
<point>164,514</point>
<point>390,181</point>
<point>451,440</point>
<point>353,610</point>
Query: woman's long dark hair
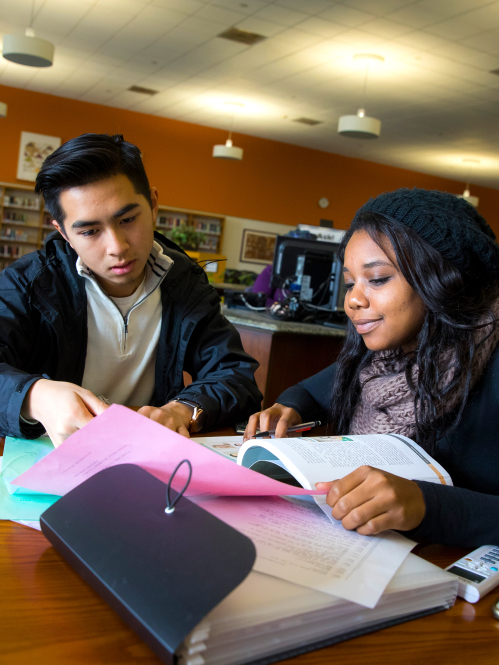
<point>455,305</point>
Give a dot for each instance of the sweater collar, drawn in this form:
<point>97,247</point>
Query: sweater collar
<point>157,267</point>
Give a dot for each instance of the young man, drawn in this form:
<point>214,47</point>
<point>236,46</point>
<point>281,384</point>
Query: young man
<point>109,310</point>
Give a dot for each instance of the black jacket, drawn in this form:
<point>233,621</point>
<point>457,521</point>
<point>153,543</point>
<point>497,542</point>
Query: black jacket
<point>43,332</point>
<point>463,515</point>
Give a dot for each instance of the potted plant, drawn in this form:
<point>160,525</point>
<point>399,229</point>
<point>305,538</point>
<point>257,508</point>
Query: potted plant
<point>186,237</point>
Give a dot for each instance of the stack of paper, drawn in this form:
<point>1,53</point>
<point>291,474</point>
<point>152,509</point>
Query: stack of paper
<point>266,616</point>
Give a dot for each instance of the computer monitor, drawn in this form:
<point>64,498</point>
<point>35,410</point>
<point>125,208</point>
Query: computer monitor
<point>311,270</point>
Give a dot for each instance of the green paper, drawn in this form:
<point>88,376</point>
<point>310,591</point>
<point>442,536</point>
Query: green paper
<point>17,503</point>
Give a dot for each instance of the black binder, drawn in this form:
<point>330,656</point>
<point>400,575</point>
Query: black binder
<point>162,573</point>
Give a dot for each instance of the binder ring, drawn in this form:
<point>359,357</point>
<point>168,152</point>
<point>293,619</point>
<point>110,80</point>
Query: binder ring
<point>170,507</point>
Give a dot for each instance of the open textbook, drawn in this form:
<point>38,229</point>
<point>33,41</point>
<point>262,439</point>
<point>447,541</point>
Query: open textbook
<point>305,461</point>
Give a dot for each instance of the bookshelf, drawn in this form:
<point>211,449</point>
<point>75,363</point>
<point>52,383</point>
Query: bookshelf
<point>211,225</point>
<point>209,254</point>
<point>21,217</point>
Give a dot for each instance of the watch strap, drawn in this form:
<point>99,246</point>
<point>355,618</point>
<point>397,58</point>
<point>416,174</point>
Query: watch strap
<point>198,417</point>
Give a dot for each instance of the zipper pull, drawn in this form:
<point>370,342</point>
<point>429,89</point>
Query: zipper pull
<point>125,321</point>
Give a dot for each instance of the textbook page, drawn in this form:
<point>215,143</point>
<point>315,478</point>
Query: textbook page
<point>227,446</point>
<point>324,458</point>
<point>295,541</point>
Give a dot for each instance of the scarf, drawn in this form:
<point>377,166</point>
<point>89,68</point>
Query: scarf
<point>386,404</point>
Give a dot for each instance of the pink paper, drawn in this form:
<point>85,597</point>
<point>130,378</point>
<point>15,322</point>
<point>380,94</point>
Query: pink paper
<point>121,436</point>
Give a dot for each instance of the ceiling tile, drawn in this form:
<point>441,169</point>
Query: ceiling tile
<point>488,42</point>
<point>281,15</point>
<point>453,29</point>
<point>486,18</point>
<point>265,28</point>
<point>349,16</point>
<point>422,41</point>
<point>359,40</point>
<point>221,15</point>
<point>246,7</point>
<point>384,28</point>
<point>59,17</point>
<point>310,6</point>
<point>416,16</point>
<point>296,38</point>
<point>456,7</point>
<point>322,27</point>
<point>377,7</point>
<point>183,6</point>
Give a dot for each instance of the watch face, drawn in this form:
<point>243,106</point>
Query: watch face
<point>198,419</point>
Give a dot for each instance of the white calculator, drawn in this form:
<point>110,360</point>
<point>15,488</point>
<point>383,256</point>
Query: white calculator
<point>478,572</point>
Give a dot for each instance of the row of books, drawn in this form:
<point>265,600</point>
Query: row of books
<point>14,234</point>
<point>15,217</point>
<point>208,226</point>
<point>210,245</point>
<point>22,201</point>
<point>170,221</point>
<point>10,251</point>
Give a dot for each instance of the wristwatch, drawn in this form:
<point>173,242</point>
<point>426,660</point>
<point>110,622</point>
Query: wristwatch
<point>199,415</point>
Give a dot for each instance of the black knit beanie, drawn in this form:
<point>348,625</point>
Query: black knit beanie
<point>449,224</point>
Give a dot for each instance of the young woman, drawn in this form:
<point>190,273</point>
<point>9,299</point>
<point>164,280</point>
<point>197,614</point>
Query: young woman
<point>421,270</point>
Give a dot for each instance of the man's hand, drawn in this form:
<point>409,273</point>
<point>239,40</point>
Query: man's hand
<point>174,415</point>
<point>62,408</point>
<point>370,501</point>
<point>278,417</point>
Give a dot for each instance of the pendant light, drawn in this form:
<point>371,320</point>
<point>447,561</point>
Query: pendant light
<point>28,50</point>
<point>466,195</point>
<point>361,126</point>
<point>229,150</point>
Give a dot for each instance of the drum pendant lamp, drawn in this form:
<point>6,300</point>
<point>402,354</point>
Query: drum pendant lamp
<point>229,150</point>
<point>28,50</point>
<point>361,126</point>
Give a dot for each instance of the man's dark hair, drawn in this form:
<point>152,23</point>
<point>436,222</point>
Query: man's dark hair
<point>86,159</point>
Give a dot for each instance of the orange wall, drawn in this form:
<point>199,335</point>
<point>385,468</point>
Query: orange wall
<point>275,182</point>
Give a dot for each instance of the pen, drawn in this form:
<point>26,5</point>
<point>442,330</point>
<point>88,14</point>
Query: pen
<point>302,427</point>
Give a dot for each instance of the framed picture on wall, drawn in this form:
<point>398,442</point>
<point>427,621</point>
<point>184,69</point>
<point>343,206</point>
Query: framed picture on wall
<point>32,152</point>
<point>257,247</point>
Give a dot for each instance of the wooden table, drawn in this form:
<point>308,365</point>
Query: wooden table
<point>50,616</point>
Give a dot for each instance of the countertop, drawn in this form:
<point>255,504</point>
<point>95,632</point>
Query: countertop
<point>263,321</point>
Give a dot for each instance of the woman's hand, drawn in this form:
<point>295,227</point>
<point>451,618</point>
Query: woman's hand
<point>370,501</point>
<point>278,417</point>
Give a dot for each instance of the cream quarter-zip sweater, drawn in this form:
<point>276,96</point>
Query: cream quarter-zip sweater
<point>123,335</point>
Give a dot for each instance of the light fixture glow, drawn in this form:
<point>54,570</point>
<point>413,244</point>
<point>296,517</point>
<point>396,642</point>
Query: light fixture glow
<point>3,110</point>
<point>361,126</point>
<point>466,195</point>
<point>229,150</point>
<point>371,57</point>
<point>29,50</point>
